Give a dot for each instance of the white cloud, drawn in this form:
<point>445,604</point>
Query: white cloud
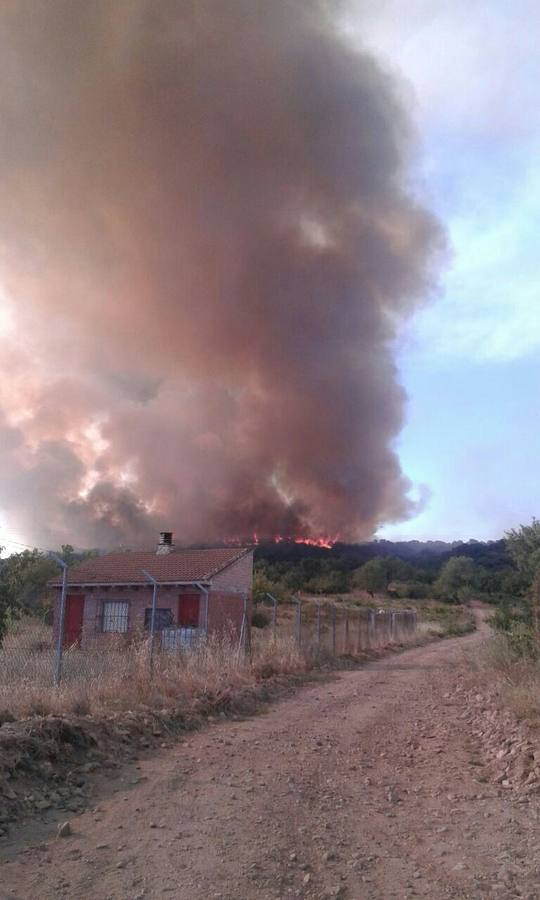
<point>475,71</point>
<point>490,305</point>
<point>473,63</point>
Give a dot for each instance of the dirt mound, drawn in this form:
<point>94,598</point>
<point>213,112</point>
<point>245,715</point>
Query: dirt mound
<point>45,762</point>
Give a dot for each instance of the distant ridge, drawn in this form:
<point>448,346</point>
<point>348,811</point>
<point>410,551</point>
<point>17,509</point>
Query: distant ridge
<point>490,554</point>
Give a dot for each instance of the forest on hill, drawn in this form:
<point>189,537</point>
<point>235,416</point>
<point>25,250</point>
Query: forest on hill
<point>454,572</point>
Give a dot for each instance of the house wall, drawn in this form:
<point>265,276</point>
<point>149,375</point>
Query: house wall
<point>225,603</point>
<point>226,600</point>
<point>225,613</point>
<point>238,577</point>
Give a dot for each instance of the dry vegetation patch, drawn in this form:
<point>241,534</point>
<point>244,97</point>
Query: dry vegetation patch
<point>515,672</point>
<point>109,706</point>
<point>501,702</point>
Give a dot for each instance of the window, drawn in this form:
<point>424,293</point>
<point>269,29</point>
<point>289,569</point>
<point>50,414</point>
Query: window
<point>115,616</point>
<point>164,618</point>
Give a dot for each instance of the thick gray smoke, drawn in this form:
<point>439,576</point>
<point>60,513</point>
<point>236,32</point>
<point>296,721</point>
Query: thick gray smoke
<point>208,244</point>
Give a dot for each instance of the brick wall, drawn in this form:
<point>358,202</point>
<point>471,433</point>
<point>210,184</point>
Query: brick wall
<point>225,612</point>
<point>238,577</point>
<point>138,599</point>
<point>225,604</point>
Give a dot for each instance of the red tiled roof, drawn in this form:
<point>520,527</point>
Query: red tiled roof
<point>178,565</point>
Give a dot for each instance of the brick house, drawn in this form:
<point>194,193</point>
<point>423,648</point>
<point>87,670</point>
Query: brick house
<point>198,592</point>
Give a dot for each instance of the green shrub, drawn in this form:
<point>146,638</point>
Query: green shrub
<point>523,641</point>
<point>260,618</point>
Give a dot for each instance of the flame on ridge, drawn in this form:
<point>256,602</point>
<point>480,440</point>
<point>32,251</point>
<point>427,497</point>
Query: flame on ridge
<point>324,541</point>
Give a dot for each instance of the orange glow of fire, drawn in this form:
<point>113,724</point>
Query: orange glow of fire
<point>327,542</point>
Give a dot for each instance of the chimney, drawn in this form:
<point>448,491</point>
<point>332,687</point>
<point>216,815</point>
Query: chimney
<point>165,542</point>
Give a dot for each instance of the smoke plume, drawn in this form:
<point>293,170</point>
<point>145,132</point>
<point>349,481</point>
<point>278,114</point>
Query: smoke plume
<point>208,245</point>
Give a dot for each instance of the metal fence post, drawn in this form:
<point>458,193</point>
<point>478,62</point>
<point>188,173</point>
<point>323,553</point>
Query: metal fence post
<point>333,616</point>
<point>153,581</point>
<point>346,632</point>
<point>299,622</point>
<point>318,623</point>
<point>242,633</point>
<point>206,605</point>
<point>247,630</point>
<point>57,675</point>
<point>359,635</point>
<point>244,643</point>
<point>153,626</point>
<point>371,628</point>
<point>274,615</point>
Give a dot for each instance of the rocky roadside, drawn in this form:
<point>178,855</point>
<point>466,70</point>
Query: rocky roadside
<point>48,764</point>
<point>510,748</point>
<point>377,785</point>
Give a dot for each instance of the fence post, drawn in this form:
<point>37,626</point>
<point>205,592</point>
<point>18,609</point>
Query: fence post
<point>333,616</point>
<point>153,627</point>
<point>242,631</point>
<point>206,606</point>
<point>371,629</point>
<point>318,623</point>
<point>57,675</point>
<point>247,632</point>
<point>152,581</point>
<point>299,623</point>
<point>346,632</point>
<point>274,616</point>
<point>359,635</point>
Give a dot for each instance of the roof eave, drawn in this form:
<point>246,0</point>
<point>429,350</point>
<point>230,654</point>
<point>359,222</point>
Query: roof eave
<point>240,555</point>
<point>204,581</point>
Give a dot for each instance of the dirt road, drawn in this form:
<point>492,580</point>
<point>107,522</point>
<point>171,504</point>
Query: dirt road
<point>366,787</point>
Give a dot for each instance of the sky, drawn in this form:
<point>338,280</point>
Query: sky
<point>470,360</point>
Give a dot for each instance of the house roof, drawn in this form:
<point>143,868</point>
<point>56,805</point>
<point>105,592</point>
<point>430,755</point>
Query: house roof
<point>175,567</point>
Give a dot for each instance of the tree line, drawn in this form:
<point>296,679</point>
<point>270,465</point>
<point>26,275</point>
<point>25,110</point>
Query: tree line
<point>505,573</point>
<point>23,582</point>
<point>453,573</point>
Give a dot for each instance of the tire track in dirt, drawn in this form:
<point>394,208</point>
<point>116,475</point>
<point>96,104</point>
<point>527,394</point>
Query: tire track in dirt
<point>365,787</point>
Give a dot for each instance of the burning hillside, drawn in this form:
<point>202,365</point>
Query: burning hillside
<point>209,246</point>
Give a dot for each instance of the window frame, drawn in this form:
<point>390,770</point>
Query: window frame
<point>116,617</point>
<point>159,609</point>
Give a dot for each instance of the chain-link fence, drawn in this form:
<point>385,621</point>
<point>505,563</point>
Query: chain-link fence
<point>333,629</point>
<point>29,655</point>
<point>32,656</point>
<point>317,629</point>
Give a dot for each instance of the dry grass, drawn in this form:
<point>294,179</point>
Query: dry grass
<point>516,675</point>
<point>115,677</point>
<point>120,680</point>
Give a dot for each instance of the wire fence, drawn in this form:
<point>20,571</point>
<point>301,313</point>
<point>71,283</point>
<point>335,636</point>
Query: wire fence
<point>334,629</point>
<point>28,652</point>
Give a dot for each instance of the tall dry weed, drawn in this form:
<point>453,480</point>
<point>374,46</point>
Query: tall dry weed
<point>516,673</point>
<point>120,679</point>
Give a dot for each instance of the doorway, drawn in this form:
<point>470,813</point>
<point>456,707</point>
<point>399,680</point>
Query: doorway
<point>188,610</point>
<point>73,622</point>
